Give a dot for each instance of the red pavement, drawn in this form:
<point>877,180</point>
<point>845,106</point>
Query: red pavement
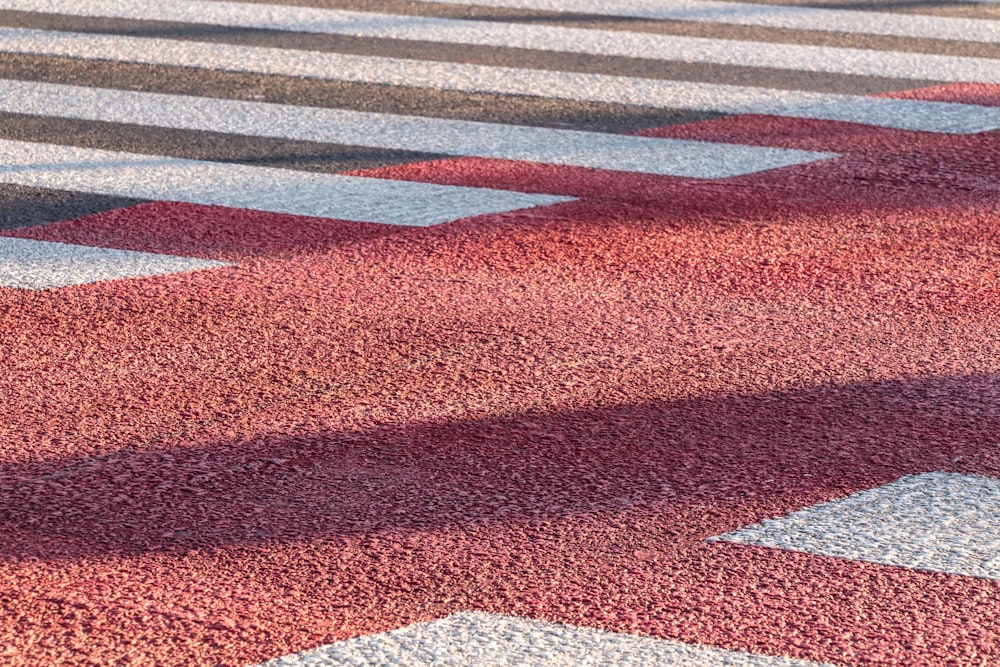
<point>542,413</point>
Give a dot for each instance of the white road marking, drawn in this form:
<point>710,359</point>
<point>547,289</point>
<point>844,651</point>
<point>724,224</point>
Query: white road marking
<point>942,522</point>
<point>598,42</point>
<point>903,114</point>
<point>368,24</point>
<point>261,188</point>
<point>334,21</point>
<point>476,639</point>
<point>769,16</point>
<point>837,60</point>
<point>38,265</point>
<point>696,159</point>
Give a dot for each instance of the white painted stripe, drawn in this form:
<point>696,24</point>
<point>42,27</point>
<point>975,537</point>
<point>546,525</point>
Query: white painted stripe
<point>865,62</point>
<point>837,60</point>
<point>367,24</point>
<point>37,265</point>
<point>476,639</point>
<point>936,521</point>
<point>673,157</point>
<point>261,188</point>
<point>904,114</point>
<point>334,21</point>
<point>769,16</point>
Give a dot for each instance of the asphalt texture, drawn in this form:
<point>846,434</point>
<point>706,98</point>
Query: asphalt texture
<point>382,366</point>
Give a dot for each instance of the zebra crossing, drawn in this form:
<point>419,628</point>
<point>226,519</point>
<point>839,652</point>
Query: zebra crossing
<point>391,131</point>
<point>395,26</point>
<point>761,15</point>
<point>362,115</point>
<point>115,173</point>
<point>646,46</point>
<point>579,87</point>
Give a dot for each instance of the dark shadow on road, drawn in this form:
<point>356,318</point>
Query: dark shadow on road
<point>760,455</point>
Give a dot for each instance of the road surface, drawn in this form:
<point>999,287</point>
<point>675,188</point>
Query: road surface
<point>499,332</point>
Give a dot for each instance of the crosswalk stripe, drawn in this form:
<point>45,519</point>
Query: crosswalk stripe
<point>477,638</point>
<point>695,159</point>
<point>943,522</point>
<point>368,24</point>
<point>260,188</point>
<point>37,265</point>
<point>903,114</point>
<point>748,14</point>
<point>838,60</point>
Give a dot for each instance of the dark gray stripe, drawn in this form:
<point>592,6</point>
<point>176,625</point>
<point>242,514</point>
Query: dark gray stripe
<point>486,55</point>
<point>363,97</point>
<point>198,145</point>
<point>26,207</point>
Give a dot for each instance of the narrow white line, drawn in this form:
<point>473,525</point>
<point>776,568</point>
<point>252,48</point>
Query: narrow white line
<point>943,522</point>
<point>769,16</point>
<point>477,638</point>
<point>902,114</point>
<point>37,265</point>
<point>694,159</point>
<point>865,62</point>
<point>261,188</point>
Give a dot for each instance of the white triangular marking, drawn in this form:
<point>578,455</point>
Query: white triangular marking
<point>477,639</point>
<point>943,522</point>
<point>37,265</point>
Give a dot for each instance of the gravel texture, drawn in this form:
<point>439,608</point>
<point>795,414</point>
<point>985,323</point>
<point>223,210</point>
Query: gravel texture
<point>542,411</point>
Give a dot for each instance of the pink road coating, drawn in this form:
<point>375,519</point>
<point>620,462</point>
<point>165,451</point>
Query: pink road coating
<point>543,413</point>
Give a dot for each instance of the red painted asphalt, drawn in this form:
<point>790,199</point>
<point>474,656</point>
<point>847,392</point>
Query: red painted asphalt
<point>542,413</point>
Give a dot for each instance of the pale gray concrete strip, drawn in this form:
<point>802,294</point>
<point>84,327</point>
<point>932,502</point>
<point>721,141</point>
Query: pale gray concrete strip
<point>261,188</point>
<point>477,639</point>
<point>671,157</point>
<point>810,58</point>
<point>944,522</point>
<point>477,78</point>
<point>38,265</point>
